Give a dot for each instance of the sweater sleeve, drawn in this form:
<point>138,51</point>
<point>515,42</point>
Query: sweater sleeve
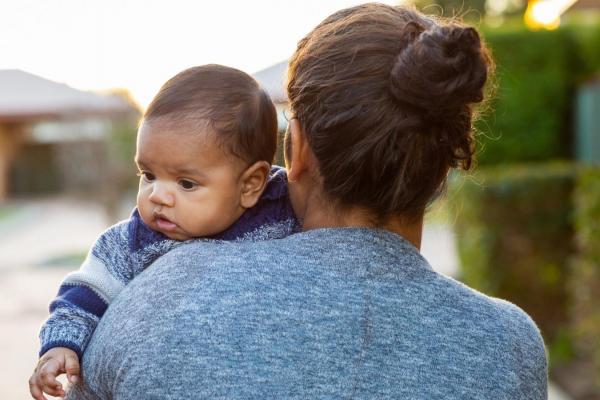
<point>85,294</point>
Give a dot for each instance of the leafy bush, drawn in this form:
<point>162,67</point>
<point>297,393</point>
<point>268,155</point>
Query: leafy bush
<point>528,114</point>
<point>586,37</point>
<point>529,117</point>
<point>515,238</point>
<point>120,172</point>
<point>585,275</point>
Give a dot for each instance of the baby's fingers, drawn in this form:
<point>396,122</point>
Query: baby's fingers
<point>54,389</point>
<point>35,389</point>
<point>72,368</point>
<point>47,378</point>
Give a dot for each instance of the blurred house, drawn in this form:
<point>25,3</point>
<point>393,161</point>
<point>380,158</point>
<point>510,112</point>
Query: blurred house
<point>272,79</point>
<point>586,5</point>
<point>52,137</point>
<point>580,11</point>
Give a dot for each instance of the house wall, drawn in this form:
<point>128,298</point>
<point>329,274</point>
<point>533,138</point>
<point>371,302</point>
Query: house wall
<point>11,139</point>
<point>75,167</point>
<point>35,171</point>
<point>60,156</point>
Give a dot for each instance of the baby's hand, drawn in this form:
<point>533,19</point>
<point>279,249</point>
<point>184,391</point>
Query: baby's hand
<point>53,363</point>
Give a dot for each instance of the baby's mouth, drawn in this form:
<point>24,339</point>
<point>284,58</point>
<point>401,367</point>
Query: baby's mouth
<point>164,224</point>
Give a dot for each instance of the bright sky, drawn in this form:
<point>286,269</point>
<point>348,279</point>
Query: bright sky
<point>139,44</point>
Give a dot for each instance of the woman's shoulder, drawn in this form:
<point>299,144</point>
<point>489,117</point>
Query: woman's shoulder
<point>511,326</point>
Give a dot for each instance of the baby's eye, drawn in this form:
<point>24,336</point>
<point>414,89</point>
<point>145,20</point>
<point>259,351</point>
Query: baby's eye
<point>147,176</point>
<point>186,184</point>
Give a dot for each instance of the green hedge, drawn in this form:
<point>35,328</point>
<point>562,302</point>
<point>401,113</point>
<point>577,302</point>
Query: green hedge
<point>529,117</point>
<point>515,238</point>
<point>586,38</point>
<point>530,107</point>
<point>585,275</point>
<point>531,234</point>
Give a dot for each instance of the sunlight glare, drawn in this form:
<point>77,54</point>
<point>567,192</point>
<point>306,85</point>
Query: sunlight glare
<point>545,14</point>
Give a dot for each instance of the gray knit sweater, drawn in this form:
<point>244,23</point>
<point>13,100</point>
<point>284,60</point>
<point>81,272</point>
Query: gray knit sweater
<point>324,314</point>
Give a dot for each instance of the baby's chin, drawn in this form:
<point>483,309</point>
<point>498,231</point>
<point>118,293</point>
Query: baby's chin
<point>176,235</point>
<point>173,233</point>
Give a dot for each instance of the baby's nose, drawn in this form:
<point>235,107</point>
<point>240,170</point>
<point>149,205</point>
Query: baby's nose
<point>161,194</point>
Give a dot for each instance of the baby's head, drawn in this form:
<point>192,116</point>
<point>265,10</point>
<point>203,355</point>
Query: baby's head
<point>204,151</point>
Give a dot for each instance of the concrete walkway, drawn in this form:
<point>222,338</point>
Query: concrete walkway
<point>33,241</point>
<point>41,230</point>
<point>43,240</point>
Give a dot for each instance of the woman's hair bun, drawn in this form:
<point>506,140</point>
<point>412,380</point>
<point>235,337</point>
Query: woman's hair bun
<point>440,70</point>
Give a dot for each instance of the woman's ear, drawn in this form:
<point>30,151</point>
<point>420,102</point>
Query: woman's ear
<point>297,151</point>
<point>253,181</point>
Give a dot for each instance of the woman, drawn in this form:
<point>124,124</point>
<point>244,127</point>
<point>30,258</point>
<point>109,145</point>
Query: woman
<point>382,104</point>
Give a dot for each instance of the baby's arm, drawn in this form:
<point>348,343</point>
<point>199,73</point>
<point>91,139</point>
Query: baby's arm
<point>82,299</point>
<point>85,294</point>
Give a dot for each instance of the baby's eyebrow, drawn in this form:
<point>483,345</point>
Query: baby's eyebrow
<point>187,171</point>
<point>139,163</point>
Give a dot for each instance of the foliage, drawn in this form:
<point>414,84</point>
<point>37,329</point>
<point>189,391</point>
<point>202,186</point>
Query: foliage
<point>73,259</point>
<point>122,141</point>
<point>6,212</point>
<point>586,37</point>
<point>279,156</point>
<point>120,175</point>
<point>529,234</point>
<point>585,275</point>
<point>528,114</point>
<point>514,234</point>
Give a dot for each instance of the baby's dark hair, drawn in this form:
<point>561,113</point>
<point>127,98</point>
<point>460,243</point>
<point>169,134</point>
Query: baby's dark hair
<point>385,95</point>
<point>229,102</point>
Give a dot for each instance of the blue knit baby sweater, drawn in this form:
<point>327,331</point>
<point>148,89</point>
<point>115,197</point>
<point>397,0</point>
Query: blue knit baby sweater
<point>129,247</point>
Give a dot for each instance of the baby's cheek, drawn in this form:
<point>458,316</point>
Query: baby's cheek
<point>144,209</point>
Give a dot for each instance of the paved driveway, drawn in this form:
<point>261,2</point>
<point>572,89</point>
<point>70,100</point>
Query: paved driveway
<point>39,243</point>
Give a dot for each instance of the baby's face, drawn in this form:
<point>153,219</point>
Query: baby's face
<point>189,186</point>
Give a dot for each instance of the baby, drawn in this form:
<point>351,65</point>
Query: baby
<point>204,152</point>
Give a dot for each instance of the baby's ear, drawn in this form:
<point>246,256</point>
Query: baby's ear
<point>253,181</point>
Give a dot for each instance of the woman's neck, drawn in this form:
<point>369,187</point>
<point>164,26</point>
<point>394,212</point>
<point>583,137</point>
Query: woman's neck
<point>322,214</point>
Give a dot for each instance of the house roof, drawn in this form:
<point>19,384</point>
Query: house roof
<point>272,80</point>
<point>24,96</point>
<point>586,5</point>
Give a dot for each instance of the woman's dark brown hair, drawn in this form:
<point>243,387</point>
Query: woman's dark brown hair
<point>385,95</point>
<point>226,100</point>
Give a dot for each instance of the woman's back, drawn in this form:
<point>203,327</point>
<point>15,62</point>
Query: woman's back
<point>328,313</point>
